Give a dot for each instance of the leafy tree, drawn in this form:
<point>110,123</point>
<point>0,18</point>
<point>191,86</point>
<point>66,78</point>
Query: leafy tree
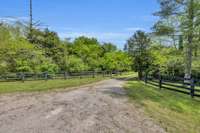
<point>18,55</point>
<point>167,60</point>
<point>116,61</point>
<point>187,16</point>
<point>109,47</point>
<point>50,43</point>
<point>138,47</point>
<point>89,50</point>
<point>46,52</point>
<point>76,64</point>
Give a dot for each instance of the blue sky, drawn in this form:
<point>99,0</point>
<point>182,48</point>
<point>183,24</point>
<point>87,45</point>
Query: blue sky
<point>108,20</point>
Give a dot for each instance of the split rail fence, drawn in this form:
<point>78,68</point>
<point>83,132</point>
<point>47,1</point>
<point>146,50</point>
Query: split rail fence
<point>9,77</point>
<point>187,86</point>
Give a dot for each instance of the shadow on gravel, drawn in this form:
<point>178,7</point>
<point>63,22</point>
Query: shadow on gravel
<point>116,92</point>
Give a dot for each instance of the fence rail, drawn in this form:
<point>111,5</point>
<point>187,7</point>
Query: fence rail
<point>178,84</point>
<point>9,77</point>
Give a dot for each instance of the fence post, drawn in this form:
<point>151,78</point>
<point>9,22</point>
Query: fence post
<point>81,75</point>
<point>117,73</point>
<point>22,77</point>
<point>65,75</point>
<point>93,74</point>
<point>35,76</point>
<point>192,89</point>
<point>46,76</point>
<point>120,73</point>
<point>160,81</point>
<point>103,73</point>
<point>146,78</point>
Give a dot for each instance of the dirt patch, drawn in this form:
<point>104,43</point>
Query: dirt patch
<point>100,108</point>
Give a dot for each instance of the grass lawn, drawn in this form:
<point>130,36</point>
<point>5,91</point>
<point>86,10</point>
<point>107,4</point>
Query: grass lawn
<point>29,86</point>
<point>175,112</point>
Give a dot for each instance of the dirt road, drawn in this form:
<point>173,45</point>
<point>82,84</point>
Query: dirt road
<point>98,108</point>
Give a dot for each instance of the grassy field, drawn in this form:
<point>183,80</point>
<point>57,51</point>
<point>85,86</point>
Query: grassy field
<point>175,112</point>
<point>29,86</point>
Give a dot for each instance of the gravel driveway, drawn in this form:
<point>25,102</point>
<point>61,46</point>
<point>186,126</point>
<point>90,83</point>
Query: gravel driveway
<point>98,108</point>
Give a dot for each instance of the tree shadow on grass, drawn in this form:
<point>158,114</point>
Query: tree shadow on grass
<point>127,79</point>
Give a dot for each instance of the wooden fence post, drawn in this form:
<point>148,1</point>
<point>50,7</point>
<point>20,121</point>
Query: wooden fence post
<point>103,73</point>
<point>120,73</point>
<point>65,75</point>
<point>117,73</point>
<point>46,76</point>
<point>192,89</point>
<point>22,77</point>
<point>93,74</point>
<point>146,78</point>
<point>35,76</point>
<point>81,75</point>
<point>160,81</point>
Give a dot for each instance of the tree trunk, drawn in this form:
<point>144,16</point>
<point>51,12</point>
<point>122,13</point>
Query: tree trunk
<point>188,58</point>
<point>188,61</point>
<point>30,34</point>
<point>140,74</point>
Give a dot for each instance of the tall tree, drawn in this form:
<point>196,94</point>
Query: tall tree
<point>30,32</point>
<point>109,47</point>
<point>89,50</point>
<point>138,47</point>
<point>186,17</point>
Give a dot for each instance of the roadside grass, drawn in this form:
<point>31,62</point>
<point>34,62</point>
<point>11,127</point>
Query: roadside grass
<point>30,86</point>
<point>175,112</point>
<point>127,75</point>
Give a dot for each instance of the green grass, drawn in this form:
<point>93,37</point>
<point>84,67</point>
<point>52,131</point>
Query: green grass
<point>175,112</point>
<point>30,86</point>
<point>126,75</point>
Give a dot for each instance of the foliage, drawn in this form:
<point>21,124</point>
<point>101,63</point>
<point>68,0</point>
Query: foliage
<point>138,47</point>
<point>46,52</point>
<point>180,17</point>
<point>76,64</point>
<point>109,47</point>
<point>116,61</point>
<point>89,50</point>
<point>167,60</point>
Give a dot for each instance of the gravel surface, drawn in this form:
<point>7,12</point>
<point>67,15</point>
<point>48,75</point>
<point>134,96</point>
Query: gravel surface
<point>98,108</point>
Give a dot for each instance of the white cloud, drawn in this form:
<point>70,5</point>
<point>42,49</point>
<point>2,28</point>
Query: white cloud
<point>63,29</point>
<point>118,38</point>
<point>13,19</point>
<point>100,35</point>
<point>133,29</point>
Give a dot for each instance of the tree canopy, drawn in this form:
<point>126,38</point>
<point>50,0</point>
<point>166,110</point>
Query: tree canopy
<point>46,52</point>
<point>138,47</point>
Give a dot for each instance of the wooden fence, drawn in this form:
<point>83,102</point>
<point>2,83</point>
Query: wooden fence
<point>177,84</point>
<point>9,77</point>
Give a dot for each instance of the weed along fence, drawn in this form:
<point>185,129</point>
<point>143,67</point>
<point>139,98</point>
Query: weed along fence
<point>9,77</point>
<point>177,84</point>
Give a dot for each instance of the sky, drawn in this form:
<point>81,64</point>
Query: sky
<point>108,20</point>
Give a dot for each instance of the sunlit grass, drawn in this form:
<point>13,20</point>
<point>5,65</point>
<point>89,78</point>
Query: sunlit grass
<point>176,112</point>
<point>42,85</point>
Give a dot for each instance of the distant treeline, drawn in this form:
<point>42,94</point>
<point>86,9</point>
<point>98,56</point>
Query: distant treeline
<point>46,52</point>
